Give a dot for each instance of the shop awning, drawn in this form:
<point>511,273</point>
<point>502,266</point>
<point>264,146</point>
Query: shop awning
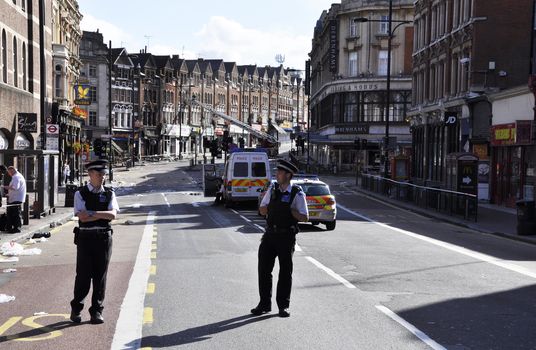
<point>233,129</point>
<point>279,129</point>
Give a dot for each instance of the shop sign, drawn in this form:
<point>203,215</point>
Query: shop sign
<point>451,118</point>
<point>333,46</point>
<point>524,132</point>
<point>79,112</point>
<point>503,134</point>
<point>21,142</point>
<point>27,122</point>
<point>352,129</point>
<point>82,95</point>
<point>481,150</point>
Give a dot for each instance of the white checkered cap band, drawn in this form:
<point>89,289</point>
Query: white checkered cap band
<point>98,167</point>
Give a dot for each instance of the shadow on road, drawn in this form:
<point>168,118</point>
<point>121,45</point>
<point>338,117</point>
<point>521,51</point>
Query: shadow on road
<point>196,334</point>
<point>41,330</point>
<point>502,320</point>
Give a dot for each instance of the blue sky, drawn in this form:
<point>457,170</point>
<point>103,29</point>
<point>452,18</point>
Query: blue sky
<point>248,32</point>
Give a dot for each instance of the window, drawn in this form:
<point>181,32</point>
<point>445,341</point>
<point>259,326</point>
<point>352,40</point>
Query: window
<point>23,5</point>
<point>315,189</point>
<point>4,56</point>
<point>258,169</point>
<point>92,71</point>
<point>15,63</point>
<point>382,62</point>
<point>240,170</point>
<point>24,67</point>
<point>384,25</point>
<point>57,81</point>
<point>350,107</point>
<point>353,28</point>
<point>92,118</point>
<point>93,93</point>
<point>352,64</point>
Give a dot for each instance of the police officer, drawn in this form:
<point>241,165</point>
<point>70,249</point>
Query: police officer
<point>285,206</point>
<point>96,206</point>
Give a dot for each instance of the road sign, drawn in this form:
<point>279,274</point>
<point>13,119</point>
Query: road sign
<point>53,129</point>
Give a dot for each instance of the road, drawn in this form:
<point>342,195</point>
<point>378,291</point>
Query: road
<point>183,275</point>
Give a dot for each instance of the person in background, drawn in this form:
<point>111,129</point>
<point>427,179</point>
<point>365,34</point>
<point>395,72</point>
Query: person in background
<point>66,172</point>
<point>15,197</point>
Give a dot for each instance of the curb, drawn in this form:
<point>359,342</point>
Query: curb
<point>431,215</point>
<point>45,227</point>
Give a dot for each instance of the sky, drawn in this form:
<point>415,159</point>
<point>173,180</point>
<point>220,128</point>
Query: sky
<point>246,32</point>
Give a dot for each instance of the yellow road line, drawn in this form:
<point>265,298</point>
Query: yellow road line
<point>9,323</point>
<point>153,255</point>
<point>147,315</point>
<point>155,238</point>
<point>153,247</point>
<point>150,288</point>
<point>153,270</point>
<point>146,348</point>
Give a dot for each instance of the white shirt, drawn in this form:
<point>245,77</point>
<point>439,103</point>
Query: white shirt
<point>299,203</point>
<point>80,204</point>
<point>17,188</point>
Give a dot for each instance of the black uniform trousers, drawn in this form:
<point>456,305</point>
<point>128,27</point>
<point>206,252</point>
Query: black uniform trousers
<point>14,216</point>
<point>280,245</point>
<point>93,254</point>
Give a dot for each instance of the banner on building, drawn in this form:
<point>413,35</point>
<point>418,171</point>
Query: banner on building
<point>518,133</point>
<point>352,129</point>
<point>82,95</point>
<point>333,46</point>
<point>27,122</point>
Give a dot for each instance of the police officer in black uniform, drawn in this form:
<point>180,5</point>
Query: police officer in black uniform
<point>285,206</point>
<point>96,206</point>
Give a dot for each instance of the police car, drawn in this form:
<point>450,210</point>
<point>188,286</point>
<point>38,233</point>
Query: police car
<point>320,202</point>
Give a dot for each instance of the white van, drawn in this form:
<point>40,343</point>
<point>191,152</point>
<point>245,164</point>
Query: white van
<point>245,173</point>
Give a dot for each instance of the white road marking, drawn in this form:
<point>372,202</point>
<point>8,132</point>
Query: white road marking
<point>135,205</point>
<point>419,334</point>
<point>330,272</point>
<point>259,227</point>
<point>128,331</point>
<point>166,200</point>
<point>461,250</point>
<point>234,211</point>
<point>244,218</point>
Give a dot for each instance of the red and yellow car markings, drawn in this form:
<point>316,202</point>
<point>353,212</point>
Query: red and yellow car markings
<point>247,182</point>
<point>318,202</point>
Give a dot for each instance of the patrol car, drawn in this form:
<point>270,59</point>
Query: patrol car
<point>320,202</point>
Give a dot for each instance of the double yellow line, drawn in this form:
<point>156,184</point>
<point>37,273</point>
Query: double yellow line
<point>151,287</point>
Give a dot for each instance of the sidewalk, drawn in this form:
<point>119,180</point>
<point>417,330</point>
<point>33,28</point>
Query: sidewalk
<point>122,177</point>
<point>492,219</point>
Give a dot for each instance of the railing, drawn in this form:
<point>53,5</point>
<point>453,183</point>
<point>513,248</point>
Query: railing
<point>450,202</point>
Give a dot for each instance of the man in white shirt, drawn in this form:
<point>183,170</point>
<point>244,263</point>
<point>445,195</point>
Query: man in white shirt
<point>15,197</point>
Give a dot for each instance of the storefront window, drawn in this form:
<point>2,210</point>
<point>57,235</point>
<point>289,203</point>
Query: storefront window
<point>530,176</point>
<point>350,108</point>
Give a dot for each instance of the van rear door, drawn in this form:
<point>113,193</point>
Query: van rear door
<point>240,176</point>
<point>259,173</point>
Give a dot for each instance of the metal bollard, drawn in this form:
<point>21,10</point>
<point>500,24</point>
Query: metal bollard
<point>26,211</point>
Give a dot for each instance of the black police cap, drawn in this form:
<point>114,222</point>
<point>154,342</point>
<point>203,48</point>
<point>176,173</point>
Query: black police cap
<point>100,165</point>
<point>287,166</point>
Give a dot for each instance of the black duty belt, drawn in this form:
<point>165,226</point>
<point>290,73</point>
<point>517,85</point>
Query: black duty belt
<point>93,232</point>
<point>281,229</point>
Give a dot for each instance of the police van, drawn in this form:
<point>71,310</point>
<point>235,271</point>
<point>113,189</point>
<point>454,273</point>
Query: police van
<point>246,171</point>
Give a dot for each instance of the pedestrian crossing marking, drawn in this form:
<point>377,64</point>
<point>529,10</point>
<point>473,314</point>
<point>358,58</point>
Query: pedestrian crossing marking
<point>152,271</point>
<point>150,288</point>
<point>148,315</point>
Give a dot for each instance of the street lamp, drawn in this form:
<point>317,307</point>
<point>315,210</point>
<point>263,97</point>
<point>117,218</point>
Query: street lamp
<point>390,32</point>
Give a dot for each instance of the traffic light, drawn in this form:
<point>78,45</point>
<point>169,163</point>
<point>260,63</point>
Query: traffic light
<point>97,147</point>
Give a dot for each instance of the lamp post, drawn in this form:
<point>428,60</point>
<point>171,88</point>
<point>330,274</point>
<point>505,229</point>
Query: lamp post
<point>390,32</point>
<point>110,108</point>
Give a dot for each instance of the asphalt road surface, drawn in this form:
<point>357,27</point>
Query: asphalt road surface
<point>184,275</point>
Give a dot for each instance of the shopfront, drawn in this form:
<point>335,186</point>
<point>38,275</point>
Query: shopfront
<point>513,164</point>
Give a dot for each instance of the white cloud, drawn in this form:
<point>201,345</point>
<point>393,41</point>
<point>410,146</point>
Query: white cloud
<point>231,41</point>
<point>109,31</point>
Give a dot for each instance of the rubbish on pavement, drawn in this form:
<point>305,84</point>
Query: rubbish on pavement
<point>129,222</point>
<point>33,251</point>
<point>43,239</point>
<point>31,241</point>
<point>10,259</point>
<point>14,249</point>
<point>41,313</point>
<point>9,270</point>
<point>6,298</point>
<point>41,234</point>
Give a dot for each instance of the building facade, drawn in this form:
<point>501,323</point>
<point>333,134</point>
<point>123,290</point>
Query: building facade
<point>455,69</point>
<point>348,83</point>
<point>25,94</point>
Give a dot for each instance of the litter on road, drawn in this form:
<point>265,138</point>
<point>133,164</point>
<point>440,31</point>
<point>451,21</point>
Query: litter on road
<point>9,270</point>
<point>15,249</point>
<point>6,298</point>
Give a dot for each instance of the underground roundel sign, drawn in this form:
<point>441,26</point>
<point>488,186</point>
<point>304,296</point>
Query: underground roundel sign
<point>53,129</point>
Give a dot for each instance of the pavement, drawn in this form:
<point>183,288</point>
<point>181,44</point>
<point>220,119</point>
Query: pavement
<point>492,219</point>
